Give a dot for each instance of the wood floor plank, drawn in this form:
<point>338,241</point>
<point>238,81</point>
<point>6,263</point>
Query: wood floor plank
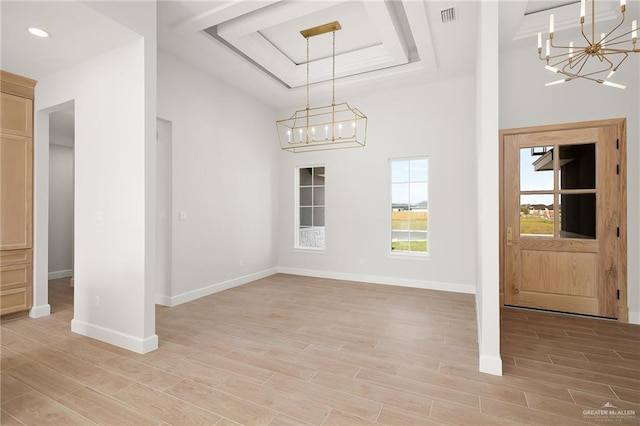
<point>604,368</point>
<point>44,379</point>
<point>35,408</point>
<point>420,388</point>
<point>579,373</point>
<point>502,393</point>
<point>158,405</point>
<point>568,381</point>
<point>514,382</point>
<point>268,397</point>
<point>251,372</point>
<point>403,400</point>
<point>145,374</point>
<point>103,409</point>
<point>10,358</point>
<point>222,403</point>
<point>341,401</point>
<point>315,361</point>
<point>11,388</point>
<point>394,416</point>
<point>338,418</point>
<point>7,419</point>
<point>524,415</point>
<point>274,365</point>
<point>453,414</point>
<point>597,401</point>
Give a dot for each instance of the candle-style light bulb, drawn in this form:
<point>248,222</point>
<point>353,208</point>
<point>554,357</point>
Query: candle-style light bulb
<point>551,19</point>
<point>570,49</point>
<point>634,30</point>
<point>300,133</point>
<point>326,132</point>
<point>548,48</point>
<point>340,130</point>
<point>582,9</point>
<point>313,133</point>
<point>602,43</point>
<point>539,42</point>
<point>289,136</point>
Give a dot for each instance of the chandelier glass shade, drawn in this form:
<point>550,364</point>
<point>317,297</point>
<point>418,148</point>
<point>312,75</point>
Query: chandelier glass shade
<point>325,127</point>
<point>596,56</point>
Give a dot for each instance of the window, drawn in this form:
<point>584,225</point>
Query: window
<point>409,205</point>
<point>310,207</point>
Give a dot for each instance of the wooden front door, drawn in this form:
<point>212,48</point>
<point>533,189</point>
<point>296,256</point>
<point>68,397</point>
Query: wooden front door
<point>563,214</point>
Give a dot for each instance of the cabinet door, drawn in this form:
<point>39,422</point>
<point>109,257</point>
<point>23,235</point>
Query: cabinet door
<point>16,192</point>
<point>16,115</point>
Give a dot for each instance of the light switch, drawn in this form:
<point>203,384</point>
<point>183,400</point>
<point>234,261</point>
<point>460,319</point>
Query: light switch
<point>183,216</point>
<point>99,217</point>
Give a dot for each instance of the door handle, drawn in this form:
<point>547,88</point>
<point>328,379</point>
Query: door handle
<point>509,236</point>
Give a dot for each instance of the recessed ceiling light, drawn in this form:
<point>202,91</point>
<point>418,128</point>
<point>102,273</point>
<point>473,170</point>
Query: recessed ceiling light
<point>38,32</point>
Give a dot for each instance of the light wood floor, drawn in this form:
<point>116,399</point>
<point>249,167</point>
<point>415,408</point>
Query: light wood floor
<point>290,350</point>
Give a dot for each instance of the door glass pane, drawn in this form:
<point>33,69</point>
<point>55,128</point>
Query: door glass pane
<point>536,169</point>
<point>578,166</point>
<point>536,215</point>
<point>578,216</point>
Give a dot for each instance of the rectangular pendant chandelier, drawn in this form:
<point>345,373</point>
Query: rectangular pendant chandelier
<point>333,126</point>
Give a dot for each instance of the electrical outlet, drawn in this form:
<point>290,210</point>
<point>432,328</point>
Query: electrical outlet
<point>97,301</point>
<point>182,216</point>
<point>240,263</point>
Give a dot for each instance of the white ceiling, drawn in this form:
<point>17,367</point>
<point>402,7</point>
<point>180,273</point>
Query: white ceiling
<point>78,33</point>
<point>257,46</point>
<point>259,50</point>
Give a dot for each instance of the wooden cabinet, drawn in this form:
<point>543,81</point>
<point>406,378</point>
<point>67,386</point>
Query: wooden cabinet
<point>16,193</point>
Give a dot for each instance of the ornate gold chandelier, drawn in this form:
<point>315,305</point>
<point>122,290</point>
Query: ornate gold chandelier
<point>599,55</point>
<point>326,127</point>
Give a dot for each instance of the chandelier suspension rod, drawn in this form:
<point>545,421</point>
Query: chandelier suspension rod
<point>333,77</point>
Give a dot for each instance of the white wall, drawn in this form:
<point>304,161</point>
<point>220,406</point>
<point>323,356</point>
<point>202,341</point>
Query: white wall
<point>225,173</point>
<point>110,148</point>
<point>524,101</point>
<point>436,120</point>
<point>60,210</point>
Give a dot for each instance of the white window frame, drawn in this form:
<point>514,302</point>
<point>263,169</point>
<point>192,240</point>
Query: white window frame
<point>407,254</point>
<point>296,213</point>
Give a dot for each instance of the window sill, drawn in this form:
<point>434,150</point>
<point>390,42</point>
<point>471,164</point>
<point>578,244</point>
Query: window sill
<point>409,256</point>
<point>309,250</point>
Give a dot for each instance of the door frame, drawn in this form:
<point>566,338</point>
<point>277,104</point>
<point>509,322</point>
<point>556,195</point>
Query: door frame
<point>621,125</point>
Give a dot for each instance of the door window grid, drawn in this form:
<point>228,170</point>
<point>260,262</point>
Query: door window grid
<point>569,185</point>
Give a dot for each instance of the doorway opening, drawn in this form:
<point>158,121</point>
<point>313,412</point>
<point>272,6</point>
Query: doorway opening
<point>61,208</point>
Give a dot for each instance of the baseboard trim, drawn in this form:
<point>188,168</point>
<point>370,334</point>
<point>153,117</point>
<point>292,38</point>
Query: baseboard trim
<point>634,317</point>
<point>163,300</point>
<point>40,311</point>
<point>122,340</point>
<point>490,365</point>
<point>65,273</point>
<point>375,279</point>
<point>213,288</point>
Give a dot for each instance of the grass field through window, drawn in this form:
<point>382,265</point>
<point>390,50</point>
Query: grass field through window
<point>405,220</point>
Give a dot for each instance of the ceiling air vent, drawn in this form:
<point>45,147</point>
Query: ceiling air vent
<point>449,14</point>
